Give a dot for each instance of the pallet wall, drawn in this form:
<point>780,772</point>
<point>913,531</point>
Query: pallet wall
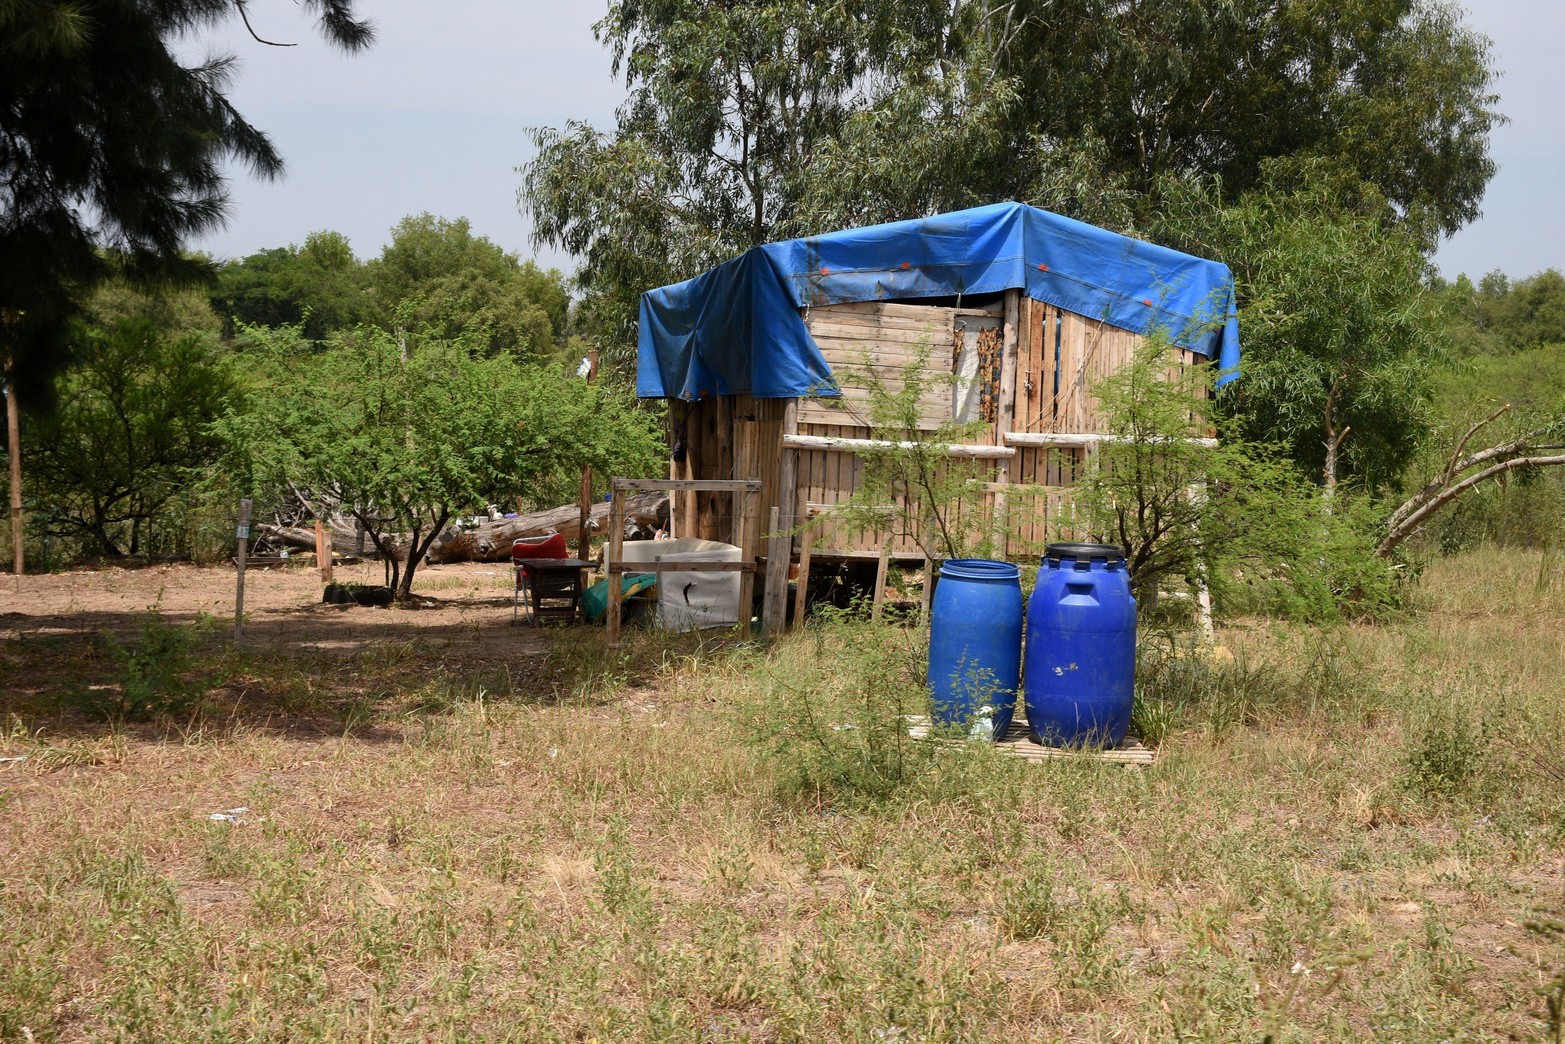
<point>1052,357</point>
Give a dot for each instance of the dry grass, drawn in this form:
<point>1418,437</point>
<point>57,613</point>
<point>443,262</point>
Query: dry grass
<point>1342,840</point>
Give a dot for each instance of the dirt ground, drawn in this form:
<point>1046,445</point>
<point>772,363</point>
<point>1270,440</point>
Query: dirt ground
<point>464,608</point>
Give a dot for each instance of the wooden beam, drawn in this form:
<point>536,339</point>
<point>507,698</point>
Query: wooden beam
<point>1006,419</point>
<point>882,574</point>
<point>774,610</point>
<point>952,449</point>
<point>745,538</point>
<point>1084,438</point>
<point>681,485</point>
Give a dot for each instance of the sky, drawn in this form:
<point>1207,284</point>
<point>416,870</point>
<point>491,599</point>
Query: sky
<point>434,117</point>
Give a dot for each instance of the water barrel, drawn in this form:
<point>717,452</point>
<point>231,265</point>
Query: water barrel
<point>1081,647</point>
<point>975,642</point>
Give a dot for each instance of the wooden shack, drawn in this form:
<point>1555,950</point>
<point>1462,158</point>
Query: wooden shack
<point>1025,308</point>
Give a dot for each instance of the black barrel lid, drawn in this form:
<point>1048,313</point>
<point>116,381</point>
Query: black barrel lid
<point>1085,552</point>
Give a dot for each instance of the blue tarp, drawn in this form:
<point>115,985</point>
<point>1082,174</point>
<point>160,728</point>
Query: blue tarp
<point>737,328</point>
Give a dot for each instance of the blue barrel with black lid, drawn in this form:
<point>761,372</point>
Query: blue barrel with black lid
<point>975,643</point>
<point>1080,678</point>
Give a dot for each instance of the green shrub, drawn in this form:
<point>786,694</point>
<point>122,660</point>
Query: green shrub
<point>158,670</point>
<point>1445,755</point>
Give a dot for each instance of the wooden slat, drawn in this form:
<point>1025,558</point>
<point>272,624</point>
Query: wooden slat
<point>933,336</point>
<point>704,485</point>
<point>953,449</point>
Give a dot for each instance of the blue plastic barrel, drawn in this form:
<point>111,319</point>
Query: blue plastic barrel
<point>1081,647</point>
<point>975,642</point>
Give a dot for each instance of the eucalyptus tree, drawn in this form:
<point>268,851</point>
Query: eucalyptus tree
<point>766,118</point>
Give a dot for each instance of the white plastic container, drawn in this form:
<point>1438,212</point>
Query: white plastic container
<point>689,601</point>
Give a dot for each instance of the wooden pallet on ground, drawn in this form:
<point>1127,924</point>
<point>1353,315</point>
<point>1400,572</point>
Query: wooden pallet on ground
<point>1018,743</point>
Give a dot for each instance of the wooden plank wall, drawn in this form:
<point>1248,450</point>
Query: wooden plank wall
<point>873,340</point>
<point>880,342</point>
<point>730,436</point>
<point>1058,355</point>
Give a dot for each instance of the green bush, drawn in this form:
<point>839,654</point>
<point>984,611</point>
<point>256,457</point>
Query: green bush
<point>158,671</point>
<point>834,708</point>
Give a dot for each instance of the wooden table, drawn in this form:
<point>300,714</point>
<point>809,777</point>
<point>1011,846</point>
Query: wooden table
<point>556,579</point>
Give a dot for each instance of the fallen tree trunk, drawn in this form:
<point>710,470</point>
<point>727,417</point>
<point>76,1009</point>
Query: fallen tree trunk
<point>343,541</point>
<point>491,542</point>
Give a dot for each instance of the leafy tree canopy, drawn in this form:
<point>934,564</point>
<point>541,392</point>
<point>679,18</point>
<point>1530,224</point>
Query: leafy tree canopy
<point>132,427</point>
<point>1500,316</point>
<point>111,150</point>
<point>405,436</point>
<point>436,275</point>
<point>320,287</point>
<point>753,121</point>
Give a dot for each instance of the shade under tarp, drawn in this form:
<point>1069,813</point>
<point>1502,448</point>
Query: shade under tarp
<point>738,328</point>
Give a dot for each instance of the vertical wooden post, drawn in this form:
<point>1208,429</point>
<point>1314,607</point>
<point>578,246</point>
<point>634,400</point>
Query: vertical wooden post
<point>13,443</point>
<point>1006,416</point>
<point>929,587</point>
<point>882,574</point>
<point>745,529</point>
<point>774,610</point>
<point>242,532</point>
<point>584,534</point>
<point>611,559</point>
<point>804,573</point>
<point>673,502</point>
<point>323,550</point>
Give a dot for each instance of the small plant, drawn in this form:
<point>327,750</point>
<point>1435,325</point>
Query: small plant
<point>1026,907</point>
<point>1549,926</point>
<point>841,735</point>
<point>1446,755</point>
<point>157,670</point>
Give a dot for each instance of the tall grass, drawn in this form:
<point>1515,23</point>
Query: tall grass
<point>1351,833</point>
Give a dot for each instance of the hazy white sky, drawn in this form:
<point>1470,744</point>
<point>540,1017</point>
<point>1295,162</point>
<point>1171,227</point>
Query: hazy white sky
<point>434,117</point>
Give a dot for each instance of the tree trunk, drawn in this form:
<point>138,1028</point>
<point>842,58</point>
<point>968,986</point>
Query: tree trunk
<point>343,541</point>
<point>491,542</point>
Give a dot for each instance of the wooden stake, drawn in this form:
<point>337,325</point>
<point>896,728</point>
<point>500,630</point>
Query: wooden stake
<point>882,573</point>
<point>584,534</point>
<point>13,439</point>
<point>242,532</point>
<point>929,586</point>
<point>611,559</point>
<point>774,609</point>
<point>804,573</point>
<point>323,550</point>
<point>746,540</point>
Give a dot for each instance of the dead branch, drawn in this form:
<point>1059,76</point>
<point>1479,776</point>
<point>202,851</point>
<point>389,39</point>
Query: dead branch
<point>1408,517</point>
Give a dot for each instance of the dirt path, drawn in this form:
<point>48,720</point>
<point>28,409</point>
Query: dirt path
<point>464,608</point>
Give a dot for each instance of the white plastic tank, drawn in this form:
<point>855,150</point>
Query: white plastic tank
<point>694,600</point>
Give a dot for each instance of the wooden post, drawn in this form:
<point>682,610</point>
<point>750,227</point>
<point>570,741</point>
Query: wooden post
<point>774,610</point>
<point>323,550</point>
<point>611,560</point>
<point>584,534</point>
<point>673,502</point>
<point>929,587</point>
<point>242,533</point>
<point>13,442</point>
<point>745,529</point>
<point>882,574</point>
<point>1005,417</point>
<point>804,573</point>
